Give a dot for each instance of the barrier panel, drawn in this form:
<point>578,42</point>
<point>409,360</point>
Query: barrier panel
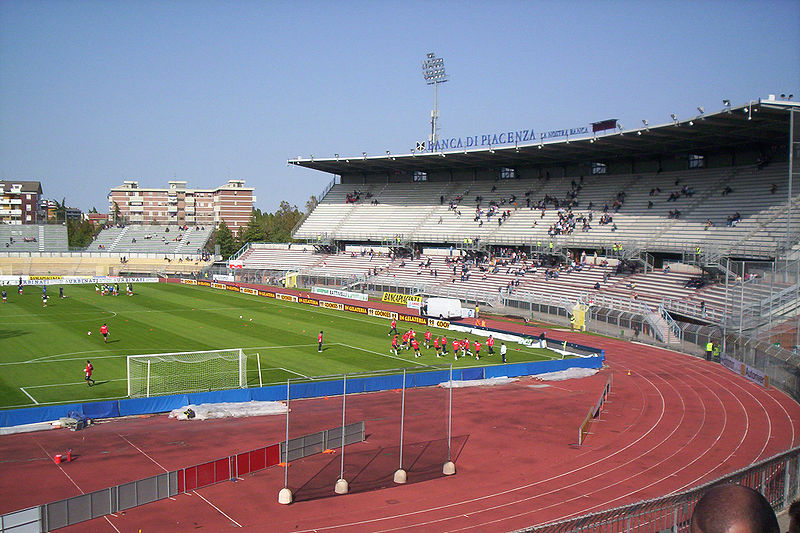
<point>63,513</point>
<point>315,389</point>
<point>23,521</point>
<point>594,411</point>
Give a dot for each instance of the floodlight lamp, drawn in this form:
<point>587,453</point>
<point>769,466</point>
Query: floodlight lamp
<point>644,121</point>
<point>387,152</point>
<point>336,156</point>
<point>791,96</point>
<point>783,95</point>
<point>691,123</point>
<point>619,126</point>
<point>701,109</point>
<point>726,103</point>
<point>674,117</point>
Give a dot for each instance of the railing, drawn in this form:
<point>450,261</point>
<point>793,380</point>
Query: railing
<point>240,252</point>
<point>693,309</point>
<point>776,478</point>
<point>673,326</point>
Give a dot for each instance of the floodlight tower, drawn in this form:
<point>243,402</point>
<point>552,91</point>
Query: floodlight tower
<point>434,74</point>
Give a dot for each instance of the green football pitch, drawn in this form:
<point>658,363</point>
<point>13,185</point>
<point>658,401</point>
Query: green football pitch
<point>43,350</point>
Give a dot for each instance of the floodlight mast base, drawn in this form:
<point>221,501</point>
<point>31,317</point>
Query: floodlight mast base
<point>285,496</point>
<point>342,487</point>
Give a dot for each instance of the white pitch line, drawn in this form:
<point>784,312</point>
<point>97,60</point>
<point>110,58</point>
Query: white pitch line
<point>66,384</point>
<point>28,395</point>
<point>65,402</point>
<point>381,354</point>
<point>293,372</point>
<point>217,508</point>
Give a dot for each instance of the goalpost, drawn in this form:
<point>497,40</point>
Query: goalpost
<point>183,372</point>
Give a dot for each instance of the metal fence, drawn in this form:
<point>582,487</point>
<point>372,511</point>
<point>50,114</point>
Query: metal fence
<point>776,478</point>
<point>96,504</point>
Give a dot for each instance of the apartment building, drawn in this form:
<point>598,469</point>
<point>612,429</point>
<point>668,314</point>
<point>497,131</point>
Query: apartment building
<point>231,203</point>
<point>19,202</point>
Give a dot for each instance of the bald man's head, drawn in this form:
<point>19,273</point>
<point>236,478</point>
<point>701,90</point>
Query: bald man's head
<point>733,509</point>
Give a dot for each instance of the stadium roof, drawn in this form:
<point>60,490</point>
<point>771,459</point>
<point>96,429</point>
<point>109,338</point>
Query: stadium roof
<point>761,122</point>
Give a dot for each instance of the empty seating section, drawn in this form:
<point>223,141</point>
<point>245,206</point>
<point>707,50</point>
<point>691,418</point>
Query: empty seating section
<point>152,239</point>
<point>260,257</point>
<point>33,238</point>
<point>704,201</point>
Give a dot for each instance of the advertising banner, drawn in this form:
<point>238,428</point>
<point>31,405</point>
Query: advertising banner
<point>340,294</point>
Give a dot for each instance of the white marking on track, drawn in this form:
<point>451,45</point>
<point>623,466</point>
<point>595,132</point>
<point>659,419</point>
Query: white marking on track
<point>143,453</point>
<point>217,508</point>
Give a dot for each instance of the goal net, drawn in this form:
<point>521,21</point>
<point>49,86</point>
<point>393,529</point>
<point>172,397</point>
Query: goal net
<point>177,373</point>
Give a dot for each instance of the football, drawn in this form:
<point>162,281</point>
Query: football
<point>88,332</point>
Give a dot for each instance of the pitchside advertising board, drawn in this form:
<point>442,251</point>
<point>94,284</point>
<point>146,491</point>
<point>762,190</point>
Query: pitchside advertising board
<point>397,298</point>
<point>362,310</point>
<point>340,294</point>
<point>753,374</point>
<point>72,280</point>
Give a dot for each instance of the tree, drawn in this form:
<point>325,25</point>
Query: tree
<point>80,233</point>
<point>311,203</point>
<point>224,238</point>
<point>117,213</point>
<point>254,231</point>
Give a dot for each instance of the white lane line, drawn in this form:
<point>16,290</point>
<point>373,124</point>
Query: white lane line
<point>50,457</point>
<point>28,395</point>
<point>217,508</point>
<point>143,453</point>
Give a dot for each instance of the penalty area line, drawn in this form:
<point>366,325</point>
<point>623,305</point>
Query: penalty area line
<point>293,372</point>
<point>381,354</point>
<point>28,395</point>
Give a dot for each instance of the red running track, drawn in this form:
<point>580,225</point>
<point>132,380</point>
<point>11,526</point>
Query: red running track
<point>675,422</point>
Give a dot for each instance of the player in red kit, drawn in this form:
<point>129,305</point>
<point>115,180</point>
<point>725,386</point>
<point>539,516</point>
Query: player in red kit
<point>319,341</point>
<point>444,345</point>
<point>415,345</point>
<point>88,373</point>
<point>394,344</point>
<point>104,332</point>
<point>405,340</point>
<point>477,350</point>
<point>490,344</point>
<point>393,328</point>
<point>456,347</point>
<point>428,339</point>
<point>436,347</point>
<point>465,348</point>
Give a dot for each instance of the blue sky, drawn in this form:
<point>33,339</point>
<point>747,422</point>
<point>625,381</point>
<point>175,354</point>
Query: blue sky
<point>96,92</point>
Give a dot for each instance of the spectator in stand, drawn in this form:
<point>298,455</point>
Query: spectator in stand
<point>773,189</point>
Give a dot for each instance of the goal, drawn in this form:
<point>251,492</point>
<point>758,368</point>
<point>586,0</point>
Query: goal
<point>177,373</point>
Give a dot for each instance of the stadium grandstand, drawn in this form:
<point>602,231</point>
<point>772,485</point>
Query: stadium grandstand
<point>683,231</point>
<point>117,249</point>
